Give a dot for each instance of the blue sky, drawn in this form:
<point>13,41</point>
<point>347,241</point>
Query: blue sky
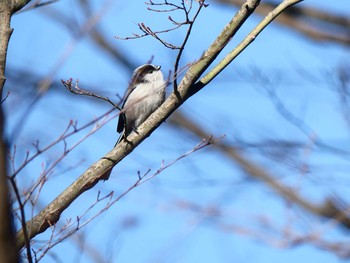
<point>163,227</point>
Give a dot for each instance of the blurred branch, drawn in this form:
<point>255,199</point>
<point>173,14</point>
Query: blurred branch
<point>295,120</point>
<point>44,85</point>
<point>8,252</point>
<point>313,23</point>
<point>95,33</point>
<point>36,4</point>
<point>344,92</point>
<point>264,228</point>
<point>330,208</point>
<point>98,38</point>
<point>83,30</point>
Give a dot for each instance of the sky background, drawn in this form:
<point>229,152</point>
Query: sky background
<point>167,218</point>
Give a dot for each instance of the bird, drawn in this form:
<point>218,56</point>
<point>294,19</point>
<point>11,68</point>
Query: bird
<point>145,93</point>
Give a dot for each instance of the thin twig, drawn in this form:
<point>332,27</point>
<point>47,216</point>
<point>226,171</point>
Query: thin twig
<point>247,40</point>
<point>140,180</point>
<point>76,90</point>
<point>182,47</point>
<point>62,137</point>
<point>147,31</point>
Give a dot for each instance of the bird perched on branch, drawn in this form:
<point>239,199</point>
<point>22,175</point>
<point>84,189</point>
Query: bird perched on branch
<point>144,95</point>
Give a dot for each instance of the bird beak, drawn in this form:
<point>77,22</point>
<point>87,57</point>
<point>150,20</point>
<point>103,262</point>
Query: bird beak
<point>158,67</point>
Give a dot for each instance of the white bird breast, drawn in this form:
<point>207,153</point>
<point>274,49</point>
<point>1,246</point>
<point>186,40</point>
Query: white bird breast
<point>145,98</point>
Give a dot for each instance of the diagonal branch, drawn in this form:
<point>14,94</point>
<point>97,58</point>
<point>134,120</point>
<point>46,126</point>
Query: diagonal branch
<point>97,171</point>
<point>198,68</point>
<point>247,40</point>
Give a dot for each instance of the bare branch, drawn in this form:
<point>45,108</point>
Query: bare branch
<point>148,32</point>
<point>76,90</point>
<point>72,226</point>
<point>204,143</point>
<point>169,7</point>
<point>72,125</point>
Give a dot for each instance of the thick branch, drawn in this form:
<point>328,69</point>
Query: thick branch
<point>8,252</point>
<point>5,34</point>
<point>18,4</point>
<point>7,238</point>
<point>50,215</point>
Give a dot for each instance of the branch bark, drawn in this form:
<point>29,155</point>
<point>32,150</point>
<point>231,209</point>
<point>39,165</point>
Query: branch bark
<point>8,252</point>
<point>5,34</point>
<point>7,237</point>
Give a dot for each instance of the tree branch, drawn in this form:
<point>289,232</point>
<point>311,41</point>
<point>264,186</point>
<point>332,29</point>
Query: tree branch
<point>197,69</point>
<point>8,252</point>
<point>96,172</point>
<point>247,40</point>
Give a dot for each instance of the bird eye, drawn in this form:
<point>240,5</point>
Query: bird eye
<point>150,72</point>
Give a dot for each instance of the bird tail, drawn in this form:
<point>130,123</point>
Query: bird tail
<point>121,137</point>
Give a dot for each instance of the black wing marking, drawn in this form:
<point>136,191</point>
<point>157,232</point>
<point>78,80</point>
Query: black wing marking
<point>122,117</point>
<point>121,123</point>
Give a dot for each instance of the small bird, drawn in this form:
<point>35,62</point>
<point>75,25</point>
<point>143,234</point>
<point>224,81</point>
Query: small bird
<point>144,95</point>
